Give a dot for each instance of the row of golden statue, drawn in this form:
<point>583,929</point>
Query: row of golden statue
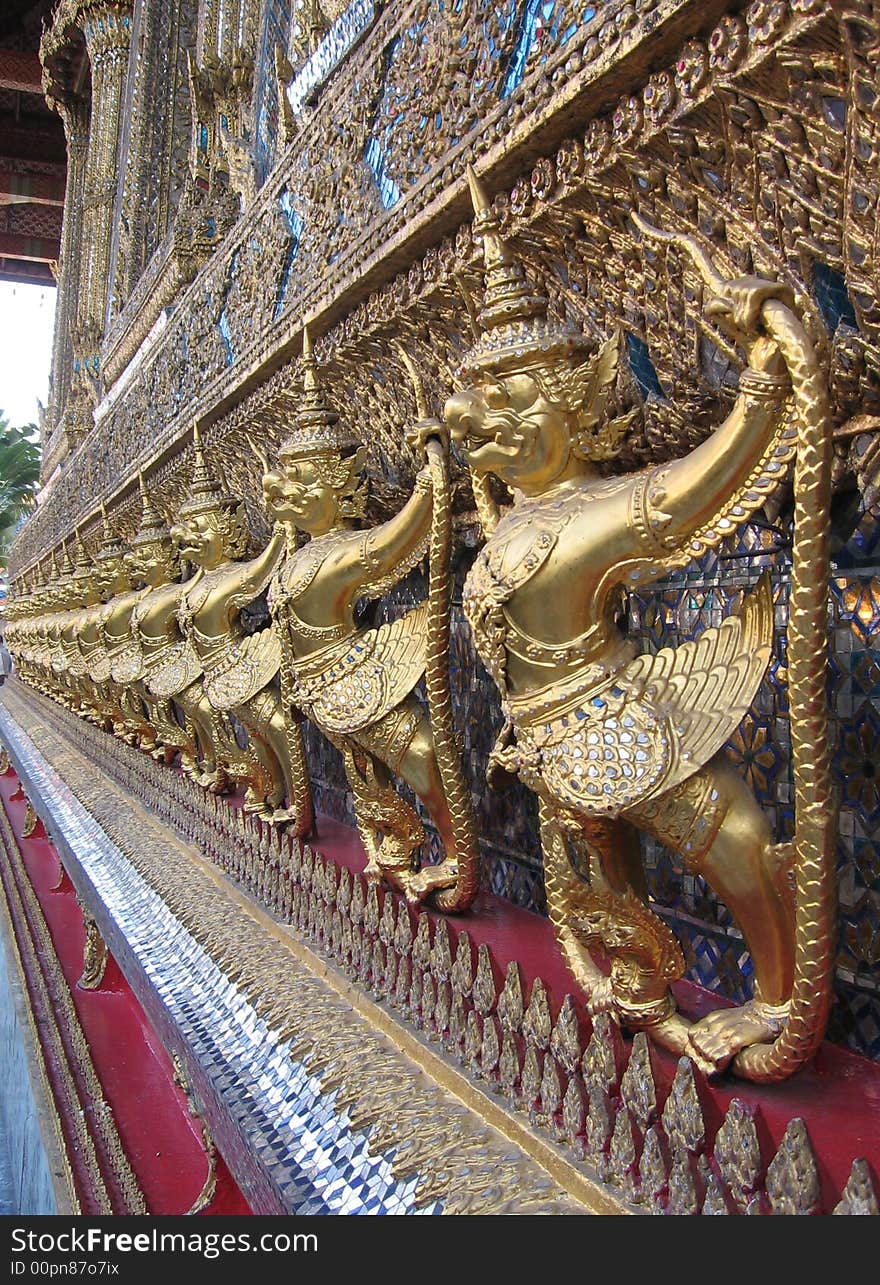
<point>612,742</point>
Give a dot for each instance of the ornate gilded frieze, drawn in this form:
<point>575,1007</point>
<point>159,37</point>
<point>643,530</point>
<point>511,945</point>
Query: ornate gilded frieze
<point>695,142</point>
<point>156,138</point>
<point>635,165</point>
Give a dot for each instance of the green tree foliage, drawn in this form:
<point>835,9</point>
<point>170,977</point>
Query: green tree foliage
<point>19,477</point>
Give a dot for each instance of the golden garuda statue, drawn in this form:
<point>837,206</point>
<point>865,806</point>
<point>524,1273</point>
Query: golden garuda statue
<point>112,575</point>
<point>237,669</point>
<point>95,583</point>
<point>613,742</point>
<point>70,595</point>
<point>42,629</point>
<point>357,684</point>
<point>117,579</point>
<point>50,655</point>
<point>161,665</point>
<point>132,654</point>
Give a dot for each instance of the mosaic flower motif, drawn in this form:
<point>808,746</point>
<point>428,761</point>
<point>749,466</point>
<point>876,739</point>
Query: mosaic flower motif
<point>627,119</point>
<point>597,142</point>
<point>766,18</point>
<point>858,766</point>
<point>569,162</point>
<point>727,44</point>
<point>543,179</point>
<point>521,198</point>
<point>757,757</point>
<point>659,97</point>
<point>692,68</point>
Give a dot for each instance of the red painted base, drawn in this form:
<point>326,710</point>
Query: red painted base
<point>838,1096</point>
<point>161,1139</point>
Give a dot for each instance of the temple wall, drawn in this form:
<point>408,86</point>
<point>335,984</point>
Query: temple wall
<point>286,165</point>
<point>351,213</point>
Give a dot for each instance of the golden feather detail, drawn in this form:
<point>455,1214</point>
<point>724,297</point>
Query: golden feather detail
<point>589,385</point>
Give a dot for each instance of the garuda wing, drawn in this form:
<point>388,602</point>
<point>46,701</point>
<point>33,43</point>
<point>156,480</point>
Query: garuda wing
<point>127,662</point>
<point>179,668</point>
<point>249,664</point>
<point>361,684</point>
<point>703,689</point>
<point>655,721</point>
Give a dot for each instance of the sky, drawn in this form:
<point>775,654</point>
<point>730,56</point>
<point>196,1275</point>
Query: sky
<point>27,315</point>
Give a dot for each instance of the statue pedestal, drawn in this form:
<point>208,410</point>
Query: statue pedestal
<point>348,1056</point>
<point>315,1100</point>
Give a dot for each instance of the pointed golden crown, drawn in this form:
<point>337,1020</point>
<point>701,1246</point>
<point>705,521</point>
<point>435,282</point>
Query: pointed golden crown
<point>206,495</point>
<point>153,528</point>
<point>516,331</point>
<point>111,546</point>
<point>65,571</point>
<point>82,564</point>
<point>317,428</point>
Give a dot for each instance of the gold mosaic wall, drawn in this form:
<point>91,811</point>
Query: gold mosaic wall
<point>231,180</point>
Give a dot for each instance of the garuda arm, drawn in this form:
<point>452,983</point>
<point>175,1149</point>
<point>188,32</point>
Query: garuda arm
<point>237,665</point>
<point>681,509</point>
<point>254,576</point>
<point>387,552</point>
<point>242,583</point>
<point>155,621</point>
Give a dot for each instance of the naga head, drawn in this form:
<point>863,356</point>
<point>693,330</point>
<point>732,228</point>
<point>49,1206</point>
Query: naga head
<point>535,389</point>
<point>319,483</point>
<point>645,957</point>
<point>212,527</point>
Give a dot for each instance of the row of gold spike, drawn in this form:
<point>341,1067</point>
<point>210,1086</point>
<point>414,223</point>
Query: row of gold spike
<point>595,1094</point>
